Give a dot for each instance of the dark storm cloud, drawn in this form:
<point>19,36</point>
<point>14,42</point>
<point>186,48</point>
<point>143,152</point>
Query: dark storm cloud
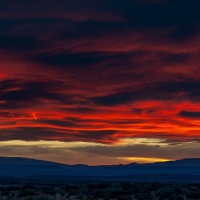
<point>114,99</point>
<point>68,59</point>
<point>133,13</point>
<point>167,13</point>
<point>188,89</point>
<point>29,93</point>
<point>19,43</point>
<point>184,32</point>
<point>98,135</point>
<point>43,30</point>
<point>92,29</point>
<point>86,110</point>
<point>180,86</point>
<point>59,123</point>
<point>119,98</point>
<point>124,121</point>
<point>35,134</point>
<point>128,97</point>
<point>138,111</point>
<point>8,84</point>
<point>59,134</point>
<point>12,115</point>
<point>188,114</point>
<point>170,58</point>
<point>127,121</point>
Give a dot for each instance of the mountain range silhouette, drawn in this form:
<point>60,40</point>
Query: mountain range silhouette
<point>26,167</point>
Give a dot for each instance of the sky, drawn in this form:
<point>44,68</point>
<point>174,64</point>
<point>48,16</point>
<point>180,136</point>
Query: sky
<point>100,82</point>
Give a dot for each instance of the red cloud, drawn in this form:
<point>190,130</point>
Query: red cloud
<point>99,72</point>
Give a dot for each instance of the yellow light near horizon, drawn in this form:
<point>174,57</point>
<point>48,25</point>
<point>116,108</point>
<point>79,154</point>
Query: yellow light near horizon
<point>145,160</point>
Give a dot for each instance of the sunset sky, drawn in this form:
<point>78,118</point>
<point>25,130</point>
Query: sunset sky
<point>100,81</point>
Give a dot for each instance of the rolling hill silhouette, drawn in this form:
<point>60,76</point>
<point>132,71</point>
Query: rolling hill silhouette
<point>25,167</point>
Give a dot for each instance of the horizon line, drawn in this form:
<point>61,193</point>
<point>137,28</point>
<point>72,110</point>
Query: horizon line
<point>94,165</point>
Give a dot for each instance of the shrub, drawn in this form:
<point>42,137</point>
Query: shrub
<point>126,197</point>
<point>30,198</point>
<point>142,196</point>
<point>130,191</point>
<point>96,193</point>
<point>117,192</point>
<point>180,197</point>
<point>102,186</point>
<point>113,192</point>
<point>164,192</point>
<point>126,185</point>
<point>193,195</point>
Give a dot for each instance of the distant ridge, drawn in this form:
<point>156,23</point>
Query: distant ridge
<point>25,161</point>
<point>182,162</point>
<point>32,161</point>
<point>27,167</point>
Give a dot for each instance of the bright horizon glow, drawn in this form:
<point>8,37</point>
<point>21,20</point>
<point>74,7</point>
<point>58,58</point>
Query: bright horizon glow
<point>138,160</point>
<point>146,160</point>
<point>92,153</point>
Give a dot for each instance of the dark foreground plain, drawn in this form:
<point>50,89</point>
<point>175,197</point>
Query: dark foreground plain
<point>21,189</point>
<point>29,179</point>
